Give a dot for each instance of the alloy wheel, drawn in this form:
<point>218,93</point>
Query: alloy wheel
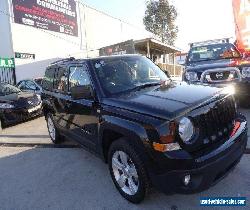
<point>125,173</point>
<point>51,128</point>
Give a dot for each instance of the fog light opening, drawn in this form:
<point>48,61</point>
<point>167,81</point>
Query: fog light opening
<point>186,179</point>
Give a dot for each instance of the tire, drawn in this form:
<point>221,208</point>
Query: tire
<point>53,131</point>
<point>127,168</point>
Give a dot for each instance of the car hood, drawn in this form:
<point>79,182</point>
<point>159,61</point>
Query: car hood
<point>204,65</point>
<point>166,103</point>
<point>21,99</point>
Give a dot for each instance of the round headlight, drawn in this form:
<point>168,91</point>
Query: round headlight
<point>191,76</point>
<point>186,129</point>
<point>245,72</point>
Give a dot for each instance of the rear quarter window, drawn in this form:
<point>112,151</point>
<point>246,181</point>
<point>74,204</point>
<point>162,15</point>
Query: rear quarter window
<point>48,79</point>
<point>61,80</point>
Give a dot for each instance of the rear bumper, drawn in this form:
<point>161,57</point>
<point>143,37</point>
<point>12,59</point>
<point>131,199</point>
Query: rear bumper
<point>209,169</point>
<point>13,116</point>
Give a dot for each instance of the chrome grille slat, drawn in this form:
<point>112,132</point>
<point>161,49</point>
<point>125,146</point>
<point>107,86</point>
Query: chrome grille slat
<point>225,75</point>
<point>217,119</point>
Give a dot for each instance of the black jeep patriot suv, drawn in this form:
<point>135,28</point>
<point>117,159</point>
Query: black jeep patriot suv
<point>218,62</point>
<point>178,137</point>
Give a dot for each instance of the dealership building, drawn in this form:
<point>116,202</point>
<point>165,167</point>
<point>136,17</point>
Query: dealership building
<point>36,32</point>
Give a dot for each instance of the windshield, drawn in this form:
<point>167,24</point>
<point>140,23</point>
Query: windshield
<point>6,89</point>
<point>121,74</point>
<point>213,52</point>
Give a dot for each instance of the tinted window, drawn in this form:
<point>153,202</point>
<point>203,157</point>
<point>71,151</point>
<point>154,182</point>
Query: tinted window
<point>61,80</point>
<point>126,73</point>
<point>48,79</point>
<point>212,52</point>
<point>78,76</point>
<point>30,85</point>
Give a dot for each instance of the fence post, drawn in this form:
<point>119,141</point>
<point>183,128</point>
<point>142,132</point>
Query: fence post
<point>14,75</point>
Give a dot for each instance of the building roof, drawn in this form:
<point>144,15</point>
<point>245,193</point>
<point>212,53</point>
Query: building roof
<point>157,45</point>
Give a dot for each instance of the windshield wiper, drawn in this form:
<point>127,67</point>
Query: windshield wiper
<point>139,87</point>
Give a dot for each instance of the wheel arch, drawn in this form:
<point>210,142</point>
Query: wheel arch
<point>114,128</point>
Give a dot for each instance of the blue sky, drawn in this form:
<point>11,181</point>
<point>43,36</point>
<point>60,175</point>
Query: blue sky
<point>127,10</point>
<point>197,19</point>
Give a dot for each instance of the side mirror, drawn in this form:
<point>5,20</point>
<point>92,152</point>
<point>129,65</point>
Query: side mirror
<point>81,92</point>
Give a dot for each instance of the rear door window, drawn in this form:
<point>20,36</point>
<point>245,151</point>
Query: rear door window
<point>78,76</point>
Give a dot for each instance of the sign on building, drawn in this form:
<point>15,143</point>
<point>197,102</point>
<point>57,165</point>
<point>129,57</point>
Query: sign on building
<point>7,63</point>
<point>54,15</point>
<point>118,49</point>
<point>24,55</point>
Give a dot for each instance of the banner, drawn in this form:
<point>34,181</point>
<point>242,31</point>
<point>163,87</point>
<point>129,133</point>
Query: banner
<point>54,15</point>
<point>241,9</point>
<point>7,62</point>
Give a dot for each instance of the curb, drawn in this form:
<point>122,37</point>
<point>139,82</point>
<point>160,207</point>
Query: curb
<point>38,145</point>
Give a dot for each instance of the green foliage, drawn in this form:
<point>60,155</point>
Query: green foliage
<point>160,19</point>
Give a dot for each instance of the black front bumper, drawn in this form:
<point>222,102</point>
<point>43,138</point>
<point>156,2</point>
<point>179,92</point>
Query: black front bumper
<point>16,115</point>
<point>210,169</point>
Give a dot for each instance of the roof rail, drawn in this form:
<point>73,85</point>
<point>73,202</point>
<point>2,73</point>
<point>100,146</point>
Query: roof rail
<point>63,60</point>
<point>213,41</point>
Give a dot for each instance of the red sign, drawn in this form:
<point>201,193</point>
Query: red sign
<point>241,10</point>
<point>54,15</point>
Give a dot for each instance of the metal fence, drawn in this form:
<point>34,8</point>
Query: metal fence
<point>8,75</point>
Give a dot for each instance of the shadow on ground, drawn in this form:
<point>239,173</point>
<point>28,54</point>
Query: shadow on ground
<point>75,179</point>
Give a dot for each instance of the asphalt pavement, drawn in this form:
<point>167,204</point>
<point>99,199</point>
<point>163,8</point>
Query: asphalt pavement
<point>36,175</point>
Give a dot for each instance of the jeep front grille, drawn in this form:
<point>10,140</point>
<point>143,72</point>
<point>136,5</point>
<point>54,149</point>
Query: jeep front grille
<point>217,123</point>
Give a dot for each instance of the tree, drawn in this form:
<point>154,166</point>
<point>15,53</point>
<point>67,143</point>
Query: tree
<point>160,19</point>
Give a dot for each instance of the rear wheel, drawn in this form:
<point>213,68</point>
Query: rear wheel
<point>53,131</point>
<point>128,171</point>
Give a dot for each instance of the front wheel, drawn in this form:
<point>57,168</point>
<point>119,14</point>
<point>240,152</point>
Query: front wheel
<point>53,131</point>
<point>128,171</point>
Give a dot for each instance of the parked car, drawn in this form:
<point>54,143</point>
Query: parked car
<point>218,62</point>
<point>17,106</point>
<point>179,137</point>
<point>30,85</point>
